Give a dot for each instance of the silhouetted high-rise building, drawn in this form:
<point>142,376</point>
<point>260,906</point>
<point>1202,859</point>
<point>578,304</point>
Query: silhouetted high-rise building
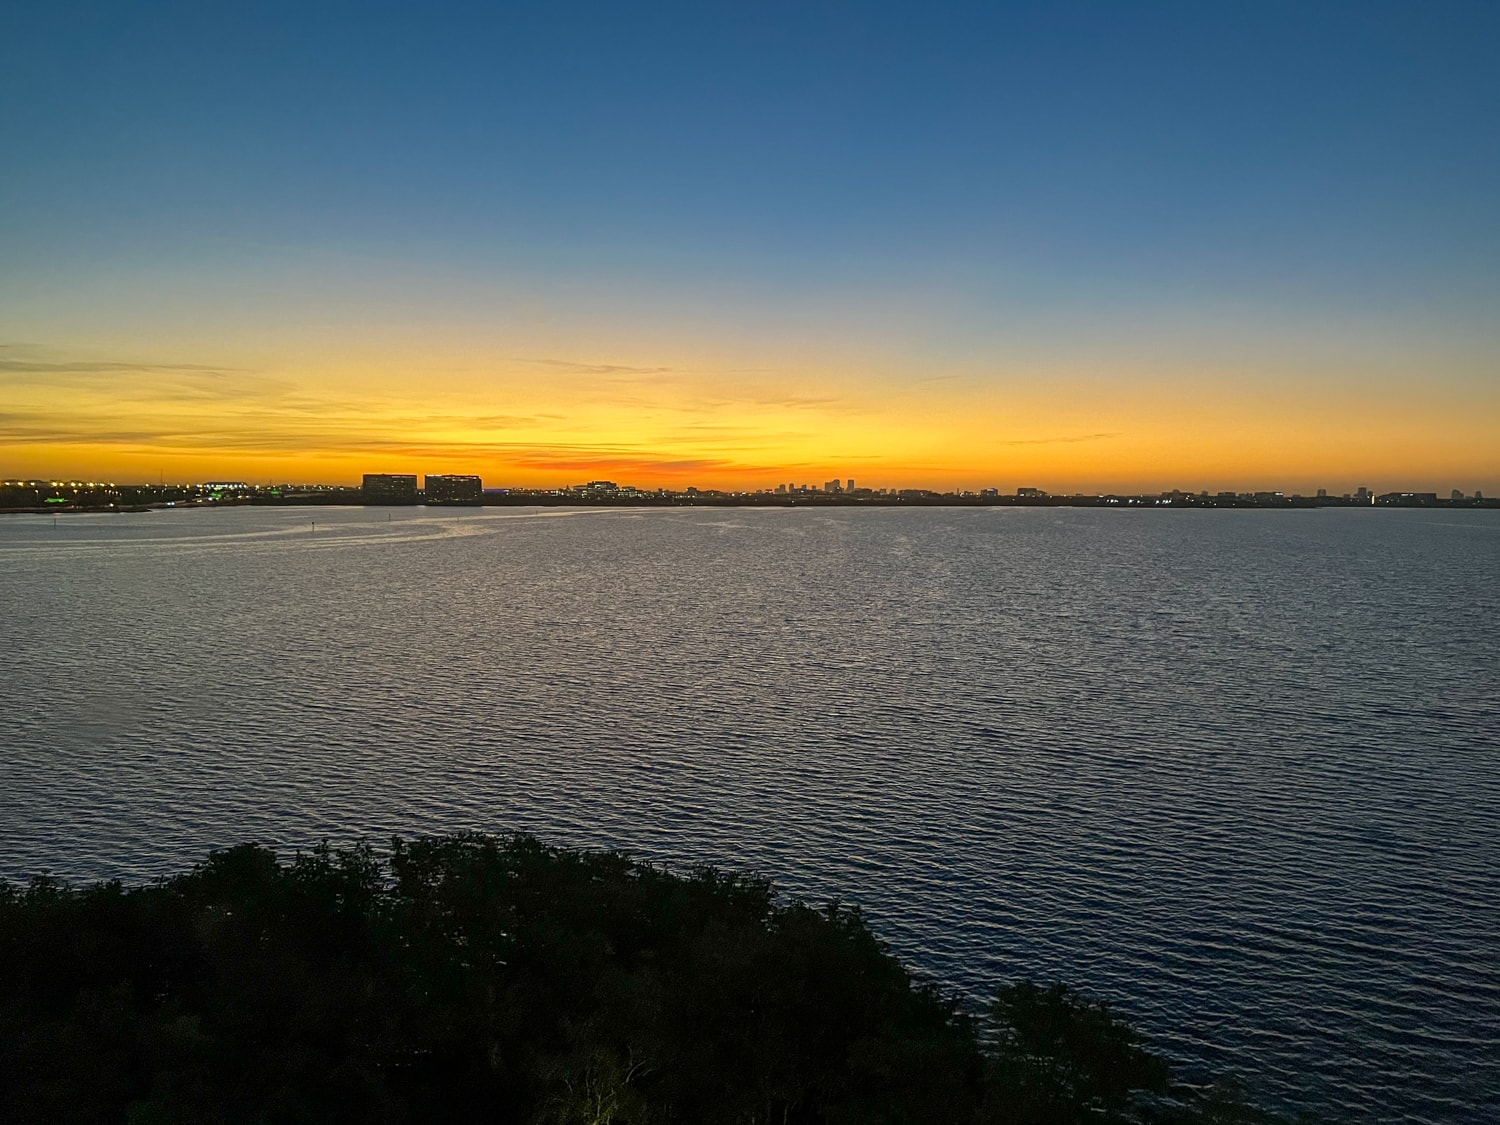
<point>447,488</point>
<point>390,488</point>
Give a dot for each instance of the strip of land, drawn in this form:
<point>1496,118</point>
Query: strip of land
<point>65,496</point>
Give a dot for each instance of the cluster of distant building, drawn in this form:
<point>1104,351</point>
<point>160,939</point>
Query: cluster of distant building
<point>833,487</point>
<point>396,488</point>
<point>468,489</point>
<point>437,488</point>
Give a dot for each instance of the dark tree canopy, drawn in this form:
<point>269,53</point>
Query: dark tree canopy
<point>476,978</point>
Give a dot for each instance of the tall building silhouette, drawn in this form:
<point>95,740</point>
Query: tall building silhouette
<point>449,488</point>
<point>390,488</point>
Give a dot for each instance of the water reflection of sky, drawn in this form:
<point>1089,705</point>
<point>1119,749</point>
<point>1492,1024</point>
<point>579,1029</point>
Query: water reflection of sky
<point>1234,770</point>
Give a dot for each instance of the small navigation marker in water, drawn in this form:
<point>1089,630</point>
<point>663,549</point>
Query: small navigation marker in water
<point>315,525</point>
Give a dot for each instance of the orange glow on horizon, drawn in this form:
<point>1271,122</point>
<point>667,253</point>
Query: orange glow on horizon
<point>551,423</point>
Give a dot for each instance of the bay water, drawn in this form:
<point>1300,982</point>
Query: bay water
<point>1236,772</point>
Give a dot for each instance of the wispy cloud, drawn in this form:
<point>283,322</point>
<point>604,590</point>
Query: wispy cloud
<point>1059,440</point>
<point>631,386</point>
<point>796,402</point>
<point>130,380</point>
<point>250,433</point>
<point>24,359</point>
<point>641,464</point>
<point>39,367</point>
<point>718,401</point>
<point>273,434</point>
<point>609,419</point>
<point>25,429</point>
<point>596,368</point>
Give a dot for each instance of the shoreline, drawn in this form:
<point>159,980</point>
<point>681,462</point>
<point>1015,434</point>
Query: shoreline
<point>1299,503</point>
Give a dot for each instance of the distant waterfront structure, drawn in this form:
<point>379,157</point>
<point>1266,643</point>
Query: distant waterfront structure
<point>454,489</point>
<point>390,488</point>
<point>449,488</point>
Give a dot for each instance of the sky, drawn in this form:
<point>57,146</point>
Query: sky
<point>1074,246</point>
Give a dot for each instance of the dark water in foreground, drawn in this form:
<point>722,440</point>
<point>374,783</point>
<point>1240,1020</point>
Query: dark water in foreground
<point>1237,772</point>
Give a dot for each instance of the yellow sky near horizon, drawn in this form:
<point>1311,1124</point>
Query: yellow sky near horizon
<point>545,422</point>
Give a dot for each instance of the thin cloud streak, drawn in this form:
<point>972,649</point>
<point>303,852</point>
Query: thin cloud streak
<point>25,364</point>
<point>597,368</point>
<point>1060,440</point>
<point>636,464</point>
<point>28,366</point>
<point>673,423</point>
<point>21,429</point>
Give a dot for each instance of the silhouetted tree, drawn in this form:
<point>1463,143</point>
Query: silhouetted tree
<point>482,978</point>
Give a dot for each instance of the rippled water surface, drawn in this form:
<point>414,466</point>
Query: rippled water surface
<point>1237,772</point>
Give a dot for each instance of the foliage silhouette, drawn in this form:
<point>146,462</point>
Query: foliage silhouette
<point>478,978</point>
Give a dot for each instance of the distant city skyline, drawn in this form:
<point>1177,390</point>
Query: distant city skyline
<point>1107,247</point>
<point>470,489</point>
